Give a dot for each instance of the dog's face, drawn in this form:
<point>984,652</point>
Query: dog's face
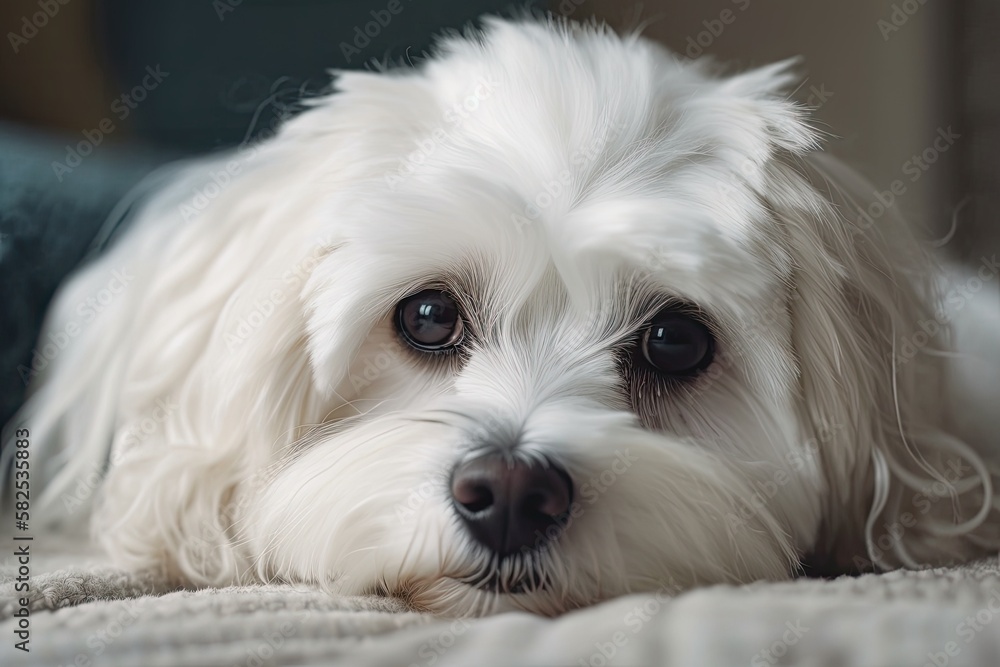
<point>557,420</point>
<point>562,319</point>
<point>563,348</point>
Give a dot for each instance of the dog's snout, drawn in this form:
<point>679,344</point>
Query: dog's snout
<point>508,505</point>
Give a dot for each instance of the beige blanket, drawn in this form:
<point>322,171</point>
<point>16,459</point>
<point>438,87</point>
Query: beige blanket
<point>86,614</point>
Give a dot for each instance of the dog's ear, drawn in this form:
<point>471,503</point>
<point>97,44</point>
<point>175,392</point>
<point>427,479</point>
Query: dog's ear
<point>766,94</point>
<point>218,262</point>
<point>862,288</point>
<point>749,120</point>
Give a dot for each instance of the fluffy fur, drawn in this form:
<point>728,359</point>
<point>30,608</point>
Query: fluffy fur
<point>563,182</point>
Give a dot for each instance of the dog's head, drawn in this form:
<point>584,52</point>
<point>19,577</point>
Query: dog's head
<point>555,317</point>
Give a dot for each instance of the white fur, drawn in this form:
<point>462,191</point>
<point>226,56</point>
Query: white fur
<point>305,443</point>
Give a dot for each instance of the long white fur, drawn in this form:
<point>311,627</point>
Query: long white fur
<point>267,423</point>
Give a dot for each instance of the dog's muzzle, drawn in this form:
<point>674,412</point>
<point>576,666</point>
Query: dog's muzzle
<point>510,505</point>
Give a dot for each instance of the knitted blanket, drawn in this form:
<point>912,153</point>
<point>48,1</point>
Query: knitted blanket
<point>84,613</point>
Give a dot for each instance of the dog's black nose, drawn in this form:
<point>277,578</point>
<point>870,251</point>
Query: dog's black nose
<point>511,505</point>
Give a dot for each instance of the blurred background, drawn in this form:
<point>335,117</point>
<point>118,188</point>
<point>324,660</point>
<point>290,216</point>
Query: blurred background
<point>95,93</point>
<point>888,77</point>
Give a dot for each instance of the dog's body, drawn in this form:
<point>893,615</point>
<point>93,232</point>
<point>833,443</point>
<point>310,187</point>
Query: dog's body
<point>561,187</point>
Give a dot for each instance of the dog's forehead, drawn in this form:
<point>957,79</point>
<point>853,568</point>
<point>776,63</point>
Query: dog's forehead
<point>685,240</point>
<point>605,216</point>
<point>595,155</point>
<point>595,150</point>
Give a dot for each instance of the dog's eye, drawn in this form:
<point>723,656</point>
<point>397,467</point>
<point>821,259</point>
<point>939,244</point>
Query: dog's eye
<point>429,320</point>
<point>677,344</point>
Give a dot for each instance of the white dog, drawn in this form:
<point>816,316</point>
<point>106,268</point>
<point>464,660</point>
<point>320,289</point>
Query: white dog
<point>554,317</point>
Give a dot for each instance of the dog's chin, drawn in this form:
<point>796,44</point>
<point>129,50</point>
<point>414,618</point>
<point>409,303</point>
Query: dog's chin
<point>517,579</point>
<point>485,585</point>
<point>482,595</point>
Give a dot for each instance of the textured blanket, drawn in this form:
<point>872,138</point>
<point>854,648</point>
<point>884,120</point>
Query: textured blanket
<point>84,613</point>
